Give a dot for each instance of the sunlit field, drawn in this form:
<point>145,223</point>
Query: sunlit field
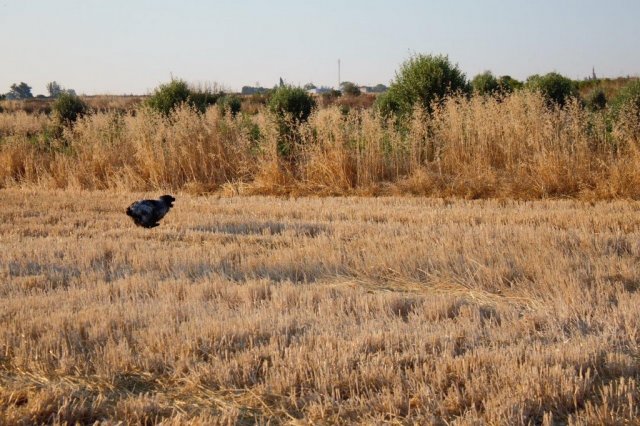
<point>320,310</point>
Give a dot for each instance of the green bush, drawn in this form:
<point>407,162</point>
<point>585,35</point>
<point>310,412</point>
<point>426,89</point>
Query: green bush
<point>68,108</point>
<point>230,103</point>
<point>555,87</point>
<point>387,104</point>
<point>596,100</point>
<point>485,84</point>
<point>628,97</point>
<point>168,96</point>
<point>422,79</point>
<point>200,100</point>
<point>350,89</point>
<point>291,106</point>
<point>292,101</point>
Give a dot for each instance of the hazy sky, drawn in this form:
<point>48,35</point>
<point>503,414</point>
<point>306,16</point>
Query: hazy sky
<point>130,46</point>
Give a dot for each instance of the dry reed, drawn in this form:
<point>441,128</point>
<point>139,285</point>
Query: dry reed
<point>514,147</point>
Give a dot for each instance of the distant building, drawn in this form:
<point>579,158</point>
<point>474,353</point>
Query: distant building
<point>378,88</point>
<point>319,90</point>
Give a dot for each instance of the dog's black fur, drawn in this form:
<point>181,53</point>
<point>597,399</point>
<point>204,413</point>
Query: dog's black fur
<point>147,213</point>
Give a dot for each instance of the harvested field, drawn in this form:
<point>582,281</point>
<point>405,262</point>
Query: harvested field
<point>318,310</point>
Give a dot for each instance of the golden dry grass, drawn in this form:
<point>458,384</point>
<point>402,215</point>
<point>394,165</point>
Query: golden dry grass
<point>318,310</point>
<point>514,147</point>
<point>22,124</point>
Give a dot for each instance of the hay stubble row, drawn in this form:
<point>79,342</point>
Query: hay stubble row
<point>322,309</point>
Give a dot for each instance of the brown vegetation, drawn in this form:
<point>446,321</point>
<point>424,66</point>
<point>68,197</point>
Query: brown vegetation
<point>345,102</point>
<point>514,147</point>
<point>105,103</point>
<point>329,310</point>
<point>101,103</point>
<point>610,86</point>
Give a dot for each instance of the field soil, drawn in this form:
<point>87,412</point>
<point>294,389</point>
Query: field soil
<point>318,310</point>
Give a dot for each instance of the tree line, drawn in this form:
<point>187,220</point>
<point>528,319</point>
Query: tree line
<point>21,91</point>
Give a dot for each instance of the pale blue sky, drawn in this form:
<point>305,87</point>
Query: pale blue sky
<point>130,46</point>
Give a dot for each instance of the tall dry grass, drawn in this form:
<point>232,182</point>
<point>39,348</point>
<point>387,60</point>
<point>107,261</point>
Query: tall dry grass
<point>318,310</point>
<point>472,148</point>
<point>22,124</point>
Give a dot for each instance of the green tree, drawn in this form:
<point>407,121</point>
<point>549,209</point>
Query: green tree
<point>291,106</point>
<point>421,80</point>
<point>54,89</point>
<point>20,91</point>
<point>168,96</point>
<point>292,101</point>
<point>350,89</point>
<point>69,107</point>
<point>485,84</point>
<point>555,87</point>
<point>231,103</point>
<point>508,84</point>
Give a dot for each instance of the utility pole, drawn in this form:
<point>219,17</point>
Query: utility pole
<point>338,74</point>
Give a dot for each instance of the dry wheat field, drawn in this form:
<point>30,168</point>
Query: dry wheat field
<point>247,310</point>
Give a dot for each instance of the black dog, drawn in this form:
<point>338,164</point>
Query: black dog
<point>147,213</point>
